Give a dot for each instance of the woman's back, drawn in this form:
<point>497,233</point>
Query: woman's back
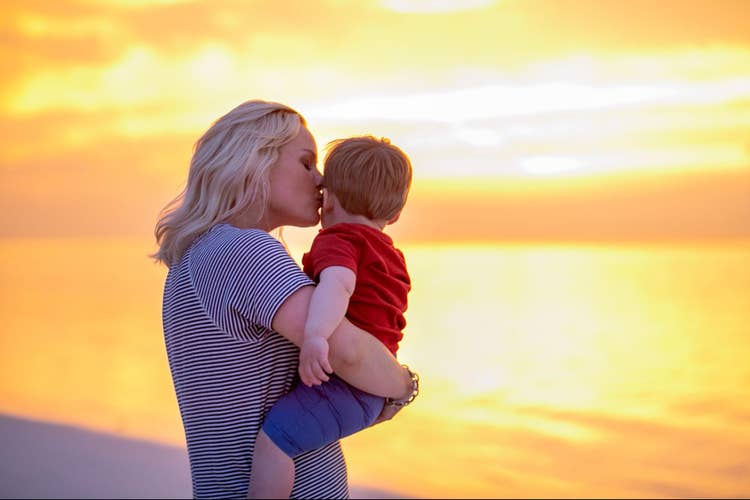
<point>228,367</point>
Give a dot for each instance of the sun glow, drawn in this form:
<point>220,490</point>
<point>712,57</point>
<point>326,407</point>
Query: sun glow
<point>434,6</point>
<point>549,165</point>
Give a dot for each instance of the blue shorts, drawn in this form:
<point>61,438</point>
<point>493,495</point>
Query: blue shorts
<point>307,418</point>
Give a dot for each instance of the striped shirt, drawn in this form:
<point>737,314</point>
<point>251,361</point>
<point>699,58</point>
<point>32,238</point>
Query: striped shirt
<point>228,366</point>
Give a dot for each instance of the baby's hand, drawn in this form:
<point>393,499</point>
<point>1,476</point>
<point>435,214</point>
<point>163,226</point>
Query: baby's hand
<point>313,361</point>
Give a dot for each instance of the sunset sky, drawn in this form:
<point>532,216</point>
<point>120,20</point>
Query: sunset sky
<point>524,119</point>
<point>577,232</point>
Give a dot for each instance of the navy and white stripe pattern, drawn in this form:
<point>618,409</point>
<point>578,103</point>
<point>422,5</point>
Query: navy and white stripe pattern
<point>229,367</point>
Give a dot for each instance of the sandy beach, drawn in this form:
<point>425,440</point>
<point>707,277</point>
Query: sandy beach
<point>45,460</point>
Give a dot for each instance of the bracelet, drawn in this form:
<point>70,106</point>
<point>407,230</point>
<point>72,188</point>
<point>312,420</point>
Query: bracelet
<point>414,391</point>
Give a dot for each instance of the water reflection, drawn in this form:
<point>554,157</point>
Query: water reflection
<point>547,371</point>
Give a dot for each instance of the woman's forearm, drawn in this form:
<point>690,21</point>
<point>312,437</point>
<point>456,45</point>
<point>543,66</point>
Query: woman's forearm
<point>364,362</point>
<point>355,355</point>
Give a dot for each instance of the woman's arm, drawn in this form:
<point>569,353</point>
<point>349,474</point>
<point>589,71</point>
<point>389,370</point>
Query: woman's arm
<point>356,356</point>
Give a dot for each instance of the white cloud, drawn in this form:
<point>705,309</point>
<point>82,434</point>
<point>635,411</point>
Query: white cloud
<point>533,98</point>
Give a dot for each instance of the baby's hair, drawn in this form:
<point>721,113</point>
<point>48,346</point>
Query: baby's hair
<point>369,176</point>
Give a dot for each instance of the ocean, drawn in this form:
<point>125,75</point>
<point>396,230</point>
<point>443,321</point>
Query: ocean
<point>547,370</point>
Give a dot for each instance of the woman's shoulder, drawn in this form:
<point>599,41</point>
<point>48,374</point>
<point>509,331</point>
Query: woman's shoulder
<point>227,232</point>
<point>224,235</point>
<point>224,244</point>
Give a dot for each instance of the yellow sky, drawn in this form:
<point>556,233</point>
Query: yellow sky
<point>100,102</point>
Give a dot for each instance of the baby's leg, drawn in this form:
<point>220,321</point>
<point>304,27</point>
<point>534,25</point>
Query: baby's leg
<point>273,470</point>
<point>307,418</point>
<point>304,419</point>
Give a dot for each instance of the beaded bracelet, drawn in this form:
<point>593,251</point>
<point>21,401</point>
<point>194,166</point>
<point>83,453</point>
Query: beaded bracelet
<point>414,391</point>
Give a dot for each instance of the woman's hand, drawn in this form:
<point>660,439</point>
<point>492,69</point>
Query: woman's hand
<point>314,366</point>
<point>387,413</point>
<point>393,406</point>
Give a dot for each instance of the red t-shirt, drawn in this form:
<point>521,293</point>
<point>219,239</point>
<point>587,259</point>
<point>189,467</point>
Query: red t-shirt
<point>379,300</point>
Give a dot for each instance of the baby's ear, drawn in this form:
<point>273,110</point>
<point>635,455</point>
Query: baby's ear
<point>394,219</point>
<point>327,200</point>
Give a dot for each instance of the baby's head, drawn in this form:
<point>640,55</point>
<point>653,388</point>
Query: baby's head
<point>369,177</point>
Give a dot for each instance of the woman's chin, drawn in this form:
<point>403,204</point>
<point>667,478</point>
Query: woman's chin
<point>311,221</point>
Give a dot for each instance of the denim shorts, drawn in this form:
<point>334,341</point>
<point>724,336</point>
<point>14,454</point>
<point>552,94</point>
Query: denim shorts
<point>307,418</point>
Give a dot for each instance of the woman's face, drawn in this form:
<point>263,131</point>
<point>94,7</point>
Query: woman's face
<point>295,185</point>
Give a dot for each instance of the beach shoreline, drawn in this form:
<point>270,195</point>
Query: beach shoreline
<point>49,460</point>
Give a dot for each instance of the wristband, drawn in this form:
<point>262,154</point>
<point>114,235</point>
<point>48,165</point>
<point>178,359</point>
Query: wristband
<point>411,397</point>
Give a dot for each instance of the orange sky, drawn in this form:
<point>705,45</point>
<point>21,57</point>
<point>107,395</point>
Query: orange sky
<point>525,119</point>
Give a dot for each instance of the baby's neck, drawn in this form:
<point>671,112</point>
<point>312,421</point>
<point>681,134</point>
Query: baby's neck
<point>341,216</point>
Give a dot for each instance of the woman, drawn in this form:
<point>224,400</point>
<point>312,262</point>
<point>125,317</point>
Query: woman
<point>235,302</point>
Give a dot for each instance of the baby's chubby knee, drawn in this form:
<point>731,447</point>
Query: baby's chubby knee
<point>344,349</point>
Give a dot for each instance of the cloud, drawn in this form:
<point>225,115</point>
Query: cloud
<point>478,92</point>
<point>362,38</point>
<point>531,98</point>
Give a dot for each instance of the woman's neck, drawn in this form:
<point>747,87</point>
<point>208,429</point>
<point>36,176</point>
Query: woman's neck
<point>248,221</point>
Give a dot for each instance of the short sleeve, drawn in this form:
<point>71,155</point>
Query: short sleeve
<point>334,246</point>
<point>251,276</point>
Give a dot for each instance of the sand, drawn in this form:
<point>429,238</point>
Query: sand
<point>45,460</point>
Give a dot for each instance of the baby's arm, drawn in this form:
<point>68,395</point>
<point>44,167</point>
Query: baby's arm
<point>327,308</point>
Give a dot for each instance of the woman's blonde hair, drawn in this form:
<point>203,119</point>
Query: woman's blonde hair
<point>369,176</point>
<point>229,173</point>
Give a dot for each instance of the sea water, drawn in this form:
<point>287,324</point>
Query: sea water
<point>547,370</point>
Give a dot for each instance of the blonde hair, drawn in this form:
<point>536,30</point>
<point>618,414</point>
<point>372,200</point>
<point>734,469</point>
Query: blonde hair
<point>229,173</point>
<point>369,176</point>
